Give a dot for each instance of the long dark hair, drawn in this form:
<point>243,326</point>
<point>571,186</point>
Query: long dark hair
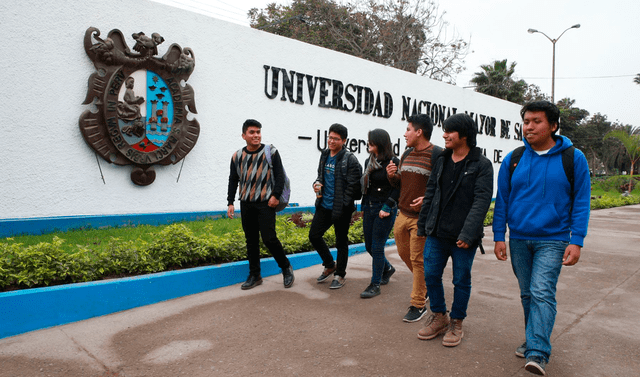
<point>380,138</point>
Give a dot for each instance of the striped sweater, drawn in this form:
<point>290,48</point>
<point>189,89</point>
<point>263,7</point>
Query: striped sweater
<point>412,177</point>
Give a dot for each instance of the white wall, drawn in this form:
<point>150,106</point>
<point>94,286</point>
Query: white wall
<point>47,169</point>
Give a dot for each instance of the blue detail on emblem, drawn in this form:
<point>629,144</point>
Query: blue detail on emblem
<point>159,109</point>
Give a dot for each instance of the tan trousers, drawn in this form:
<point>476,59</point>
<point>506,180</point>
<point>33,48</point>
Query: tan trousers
<point>411,249</point>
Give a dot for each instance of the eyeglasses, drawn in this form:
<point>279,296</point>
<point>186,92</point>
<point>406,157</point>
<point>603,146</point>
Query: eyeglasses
<point>331,138</point>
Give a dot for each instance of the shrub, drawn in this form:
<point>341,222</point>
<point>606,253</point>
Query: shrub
<point>611,202</point>
<point>176,246</point>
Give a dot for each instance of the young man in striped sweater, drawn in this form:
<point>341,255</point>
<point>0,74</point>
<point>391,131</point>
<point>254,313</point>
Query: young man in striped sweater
<point>261,185</point>
<point>412,176</point>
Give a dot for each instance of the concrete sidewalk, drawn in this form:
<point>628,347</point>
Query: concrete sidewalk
<point>310,330</point>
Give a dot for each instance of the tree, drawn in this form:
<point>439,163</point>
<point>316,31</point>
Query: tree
<point>630,138</point>
<point>637,79</point>
<point>406,34</point>
<point>570,117</point>
<point>497,80</point>
<point>534,93</point>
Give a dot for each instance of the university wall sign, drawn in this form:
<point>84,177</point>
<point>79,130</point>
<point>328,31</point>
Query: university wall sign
<point>142,107</point>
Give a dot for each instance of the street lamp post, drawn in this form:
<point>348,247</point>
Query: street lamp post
<point>553,67</point>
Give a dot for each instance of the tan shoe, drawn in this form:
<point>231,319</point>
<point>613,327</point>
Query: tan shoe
<point>436,324</point>
<point>454,334</point>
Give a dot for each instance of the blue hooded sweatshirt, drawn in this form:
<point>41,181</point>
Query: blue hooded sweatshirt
<point>537,204</point>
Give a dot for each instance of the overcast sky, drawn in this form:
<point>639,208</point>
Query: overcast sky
<point>595,64</point>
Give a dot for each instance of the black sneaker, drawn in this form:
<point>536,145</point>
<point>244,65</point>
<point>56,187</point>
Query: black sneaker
<point>252,281</point>
<point>338,282</point>
<point>521,350</point>
<point>372,291</point>
<point>326,273</point>
<point>387,275</point>
<point>414,314</point>
<point>536,365</point>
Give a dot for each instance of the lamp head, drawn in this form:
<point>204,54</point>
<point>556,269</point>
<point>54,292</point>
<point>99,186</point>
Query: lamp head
<point>531,31</point>
<point>576,26</point>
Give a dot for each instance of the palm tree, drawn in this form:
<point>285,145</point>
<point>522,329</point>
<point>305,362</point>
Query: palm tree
<point>630,138</point>
<point>497,80</point>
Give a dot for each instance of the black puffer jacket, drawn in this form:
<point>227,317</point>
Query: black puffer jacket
<point>347,182</point>
<point>470,199</point>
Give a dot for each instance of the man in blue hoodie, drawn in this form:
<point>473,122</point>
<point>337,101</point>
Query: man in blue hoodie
<point>548,218</point>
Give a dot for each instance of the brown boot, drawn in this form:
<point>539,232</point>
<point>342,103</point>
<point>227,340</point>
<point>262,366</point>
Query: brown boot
<point>454,334</point>
<point>436,324</point>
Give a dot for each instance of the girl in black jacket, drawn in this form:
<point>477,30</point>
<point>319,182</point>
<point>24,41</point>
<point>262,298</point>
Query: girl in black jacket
<point>379,207</point>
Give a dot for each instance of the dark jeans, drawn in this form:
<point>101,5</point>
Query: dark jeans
<point>376,232</point>
<point>260,219</point>
<point>322,221</point>
<point>436,254</point>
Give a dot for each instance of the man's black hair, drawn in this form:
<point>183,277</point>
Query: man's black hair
<point>380,138</point>
<point>464,125</point>
<point>422,122</point>
<point>551,111</point>
<point>339,129</point>
<point>250,123</point>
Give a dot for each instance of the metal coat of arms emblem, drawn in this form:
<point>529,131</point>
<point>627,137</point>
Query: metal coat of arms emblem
<point>142,104</point>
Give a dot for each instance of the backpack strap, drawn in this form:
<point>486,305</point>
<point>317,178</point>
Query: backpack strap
<point>267,154</point>
<point>345,163</point>
<point>236,161</point>
<point>435,153</point>
<point>567,164</point>
<point>515,159</point>
<point>406,153</point>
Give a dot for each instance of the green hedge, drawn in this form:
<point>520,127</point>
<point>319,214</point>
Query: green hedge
<point>611,202</point>
<point>175,246</point>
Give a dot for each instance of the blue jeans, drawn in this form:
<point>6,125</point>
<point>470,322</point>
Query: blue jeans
<point>376,232</point>
<point>537,266</point>
<point>436,254</point>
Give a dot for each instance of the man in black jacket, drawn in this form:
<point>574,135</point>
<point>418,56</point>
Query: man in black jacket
<point>336,187</point>
<point>455,204</point>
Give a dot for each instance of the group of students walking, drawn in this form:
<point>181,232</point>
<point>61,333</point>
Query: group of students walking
<point>435,200</point>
